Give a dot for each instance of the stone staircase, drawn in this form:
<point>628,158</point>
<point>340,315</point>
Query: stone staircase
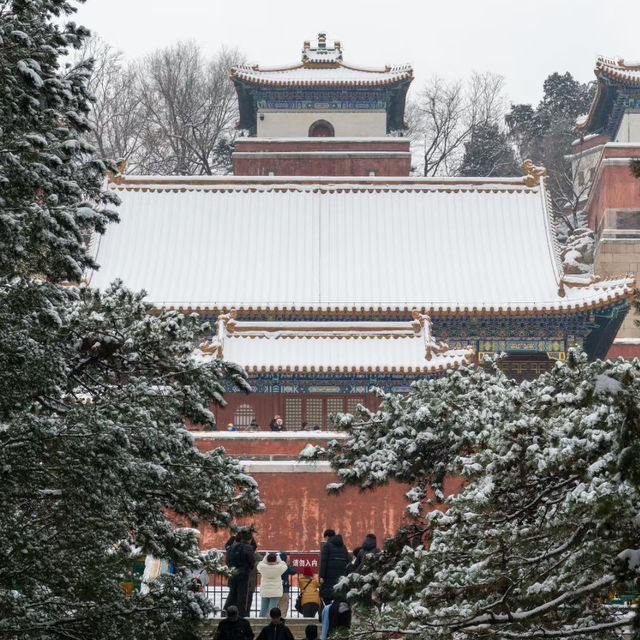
<point>296,625</point>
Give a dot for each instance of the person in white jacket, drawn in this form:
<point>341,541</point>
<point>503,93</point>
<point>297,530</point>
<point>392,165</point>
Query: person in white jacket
<point>271,570</point>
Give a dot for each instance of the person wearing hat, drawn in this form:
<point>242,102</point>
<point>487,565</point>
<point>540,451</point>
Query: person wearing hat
<point>276,629</point>
<point>309,596</point>
<point>233,627</point>
<point>270,570</point>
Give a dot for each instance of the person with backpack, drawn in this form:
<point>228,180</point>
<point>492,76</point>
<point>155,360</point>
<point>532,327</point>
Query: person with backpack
<point>270,570</point>
<point>308,599</point>
<point>276,629</point>
<point>233,627</point>
<point>241,559</point>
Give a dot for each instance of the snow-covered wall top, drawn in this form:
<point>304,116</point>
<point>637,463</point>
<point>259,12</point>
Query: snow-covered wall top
<point>436,246</point>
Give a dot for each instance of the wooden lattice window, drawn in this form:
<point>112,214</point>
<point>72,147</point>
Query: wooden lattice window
<point>334,405</point>
<point>292,413</point>
<point>315,414</point>
<point>243,416</point>
<point>352,403</point>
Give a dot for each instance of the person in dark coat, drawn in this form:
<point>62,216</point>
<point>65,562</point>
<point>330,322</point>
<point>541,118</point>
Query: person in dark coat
<point>369,546</point>
<point>334,559</point>
<point>241,558</point>
<point>277,629</point>
<point>229,543</point>
<point>276,424</point>
<point>339,615</point>
<point>233,627</point>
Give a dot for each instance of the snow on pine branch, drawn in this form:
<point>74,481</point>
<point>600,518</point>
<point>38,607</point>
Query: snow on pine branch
<point>522,501</point>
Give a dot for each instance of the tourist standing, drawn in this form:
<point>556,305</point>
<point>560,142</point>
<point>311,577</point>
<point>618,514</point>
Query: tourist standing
<point>240,557</point>
<point>271,570</point>
<point>276,423</point>
<point>369,546</point>
<point>334,559</point>
<point>309,596</point>
<point>233,627</point>
<point>276,629</point>
<point>253,581</point>
<point>283,604</point>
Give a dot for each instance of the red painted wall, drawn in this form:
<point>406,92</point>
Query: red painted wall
<point>326,144</point>
<point>616,188</point>
<point>624,350</point>
<point>369,157</point>
<point>322,166</point>
<point>299,510</point>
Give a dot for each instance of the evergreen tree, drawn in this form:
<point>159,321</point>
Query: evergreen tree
<point>523,502</point>
<point>544,135</point>
<point>488,153</point>
<point>94,454</point>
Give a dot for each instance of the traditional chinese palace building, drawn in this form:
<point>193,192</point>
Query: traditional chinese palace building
<point>327,270</point>
<point>609,141</point>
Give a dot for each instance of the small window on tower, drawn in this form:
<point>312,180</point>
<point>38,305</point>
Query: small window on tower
<point>321,129</point>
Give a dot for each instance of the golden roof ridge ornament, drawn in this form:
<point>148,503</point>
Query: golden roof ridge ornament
<point>533,173</point>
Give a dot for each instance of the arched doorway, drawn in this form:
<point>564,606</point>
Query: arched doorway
<point>321,129</point>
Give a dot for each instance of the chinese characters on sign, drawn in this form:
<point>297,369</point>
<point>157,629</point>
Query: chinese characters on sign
<point>301,560</point>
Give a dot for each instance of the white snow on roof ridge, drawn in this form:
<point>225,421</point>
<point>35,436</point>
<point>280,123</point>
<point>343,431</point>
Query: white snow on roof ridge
<point>334,246</point>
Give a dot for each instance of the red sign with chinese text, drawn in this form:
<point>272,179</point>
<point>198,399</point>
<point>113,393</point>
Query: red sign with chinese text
<point>301,560</point>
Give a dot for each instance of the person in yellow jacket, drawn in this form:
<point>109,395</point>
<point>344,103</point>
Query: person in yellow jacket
<point>309,595</point>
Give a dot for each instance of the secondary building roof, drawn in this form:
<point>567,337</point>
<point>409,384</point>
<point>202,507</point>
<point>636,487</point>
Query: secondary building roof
<point>342,245</point>
<point>335,347</point>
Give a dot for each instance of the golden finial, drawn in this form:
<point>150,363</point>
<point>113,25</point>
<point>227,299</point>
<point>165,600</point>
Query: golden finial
<point>533,173</point>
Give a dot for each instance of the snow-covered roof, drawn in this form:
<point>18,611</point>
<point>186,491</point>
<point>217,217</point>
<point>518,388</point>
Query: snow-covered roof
<point>341,245</point>
<point>615,70</point>
<point>321,65</point>
<point>618,69</point>
<point>338,74</point>
<point>335,347</point>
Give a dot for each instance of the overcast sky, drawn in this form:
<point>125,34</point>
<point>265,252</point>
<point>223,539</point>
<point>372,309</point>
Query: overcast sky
<point>522,40</point>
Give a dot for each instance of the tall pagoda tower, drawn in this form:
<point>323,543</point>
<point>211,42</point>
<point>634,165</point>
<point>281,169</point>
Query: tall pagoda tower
<point>609,141</point>
<point>322,117</point>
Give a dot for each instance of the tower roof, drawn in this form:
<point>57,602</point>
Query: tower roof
<point>615,76</point>
<point>323,79</point>
<point>322,65</point>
